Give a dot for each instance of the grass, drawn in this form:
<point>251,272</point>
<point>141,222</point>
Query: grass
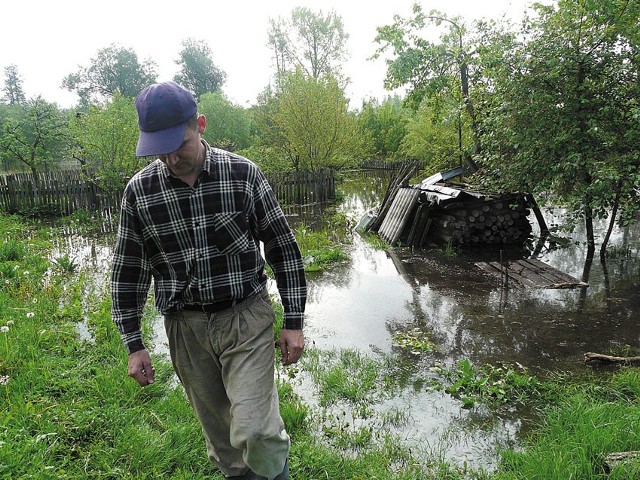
<point>69,411</point>
<point>590,420</point>
<point>320,248</point>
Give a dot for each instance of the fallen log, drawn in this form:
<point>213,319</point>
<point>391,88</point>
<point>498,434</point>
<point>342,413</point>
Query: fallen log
<point>591,358</point>
<point>617,459</point>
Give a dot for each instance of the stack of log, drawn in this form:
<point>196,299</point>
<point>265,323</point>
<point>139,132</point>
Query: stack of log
<point>431,215</point>
<point>488,221</point>
<point>436,213</point>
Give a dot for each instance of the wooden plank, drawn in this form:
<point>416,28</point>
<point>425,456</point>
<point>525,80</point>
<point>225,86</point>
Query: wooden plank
<point>536,274</point>
<point>560,276</point>
<point>515,275</point>
<point>531,273</point>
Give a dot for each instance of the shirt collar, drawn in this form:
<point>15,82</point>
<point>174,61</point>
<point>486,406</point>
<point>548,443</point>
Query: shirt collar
<point>209,160</point>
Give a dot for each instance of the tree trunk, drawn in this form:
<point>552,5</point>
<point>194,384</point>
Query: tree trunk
<point>588,221</point>
<point>464,81</point>
<point>614,213</point>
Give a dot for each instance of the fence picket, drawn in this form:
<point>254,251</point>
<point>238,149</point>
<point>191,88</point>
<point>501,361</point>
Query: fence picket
<point>66,191</point>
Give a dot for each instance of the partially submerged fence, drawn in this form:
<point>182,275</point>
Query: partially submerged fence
<point>52,193</point>
<point>65,192</point>
<point>303,188</point>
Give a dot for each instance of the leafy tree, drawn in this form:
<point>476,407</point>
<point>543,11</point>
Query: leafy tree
<point>384,125</point>
<point>313,42</point>
<point>267,138</point>
<point>434,137</point>
<point>228,125</point>
<point>114,70</point>
<point>103,141</point>
<point>263,113</point>
<point>198,73</point>
<point>13,92</point>
<point>34,135</point>
<point>564,115</point>
<point>453,65</point>
<point>315,125</point>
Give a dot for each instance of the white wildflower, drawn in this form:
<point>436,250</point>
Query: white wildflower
<point>10,322</point>
<point>4,329</point>
<point>30,314</point>
<point>4,379</point>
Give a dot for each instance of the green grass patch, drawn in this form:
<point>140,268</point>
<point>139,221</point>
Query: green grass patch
<point>345,375</point>
<point>69,411</point>
<point>320,248</point>
<point>495,386</point>
<point>374,241</point>
<point>590,420</point>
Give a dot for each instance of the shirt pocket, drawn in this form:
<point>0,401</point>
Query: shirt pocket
<point>231,233</point>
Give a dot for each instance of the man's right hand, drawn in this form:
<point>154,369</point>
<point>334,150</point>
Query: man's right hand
<point>140,367</point>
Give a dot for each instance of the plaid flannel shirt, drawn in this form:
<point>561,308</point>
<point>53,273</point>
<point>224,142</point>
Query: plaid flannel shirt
<point>201,244</point>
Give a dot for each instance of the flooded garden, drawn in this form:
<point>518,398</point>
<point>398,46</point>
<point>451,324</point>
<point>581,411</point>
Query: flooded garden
<point>393,319</point>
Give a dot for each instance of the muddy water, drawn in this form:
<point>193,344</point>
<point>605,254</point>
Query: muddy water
<point>466,312</point>
<point>374,295</point>
<point>467,315</point>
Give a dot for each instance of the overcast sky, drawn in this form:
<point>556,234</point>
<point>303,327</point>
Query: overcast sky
<point>48,39</point>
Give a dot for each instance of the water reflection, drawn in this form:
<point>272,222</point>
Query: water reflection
<point>465,311</point>
<point>468,315</point>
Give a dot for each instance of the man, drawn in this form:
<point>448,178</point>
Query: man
<point>193,220</point>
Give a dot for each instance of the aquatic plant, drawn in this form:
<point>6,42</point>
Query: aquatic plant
<point>66,264</point>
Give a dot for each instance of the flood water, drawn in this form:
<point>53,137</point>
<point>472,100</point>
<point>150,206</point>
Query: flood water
<point>468,315</point>
<point>466,311</point>
<point>362,303</point>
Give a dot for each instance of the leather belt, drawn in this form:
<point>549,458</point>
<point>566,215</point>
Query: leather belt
<point>211,307</point>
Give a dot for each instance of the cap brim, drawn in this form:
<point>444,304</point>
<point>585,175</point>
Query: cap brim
<point>160,142</point>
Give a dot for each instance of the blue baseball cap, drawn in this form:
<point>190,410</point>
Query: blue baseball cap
<point>163,110</point>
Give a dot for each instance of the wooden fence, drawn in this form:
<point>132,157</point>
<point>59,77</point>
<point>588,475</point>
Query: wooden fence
<point>303,188</point>
<point>64,192</point>
<point>52,193</point>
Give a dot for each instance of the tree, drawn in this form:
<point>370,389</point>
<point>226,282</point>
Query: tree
<point>453,65</point>
<point>198,72</point>
<point>316,129</point>
<point>35,135</point>
<point>114,70</point>
<point>564,115</point>
<point>13,92</point>
<point>312,42</point>
<point>434,137</point>
<point>228,125</point>
<point>384,125</point>
<point>267,137</point>
<point>103,140</point>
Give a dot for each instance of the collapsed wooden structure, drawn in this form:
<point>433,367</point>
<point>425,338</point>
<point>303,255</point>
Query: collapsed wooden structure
<point>529,273</point>
<point>433,213</point>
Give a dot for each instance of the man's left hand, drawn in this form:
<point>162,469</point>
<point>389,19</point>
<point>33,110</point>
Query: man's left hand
<point>291,345</point>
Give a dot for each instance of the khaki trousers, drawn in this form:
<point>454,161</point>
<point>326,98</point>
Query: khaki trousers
<point>225,362</point>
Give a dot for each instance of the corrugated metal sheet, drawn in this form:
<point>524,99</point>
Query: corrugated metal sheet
<point>440,194</point>
<point>399,213</point>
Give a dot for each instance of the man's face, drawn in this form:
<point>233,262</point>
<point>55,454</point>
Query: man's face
<point>187,159</point>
